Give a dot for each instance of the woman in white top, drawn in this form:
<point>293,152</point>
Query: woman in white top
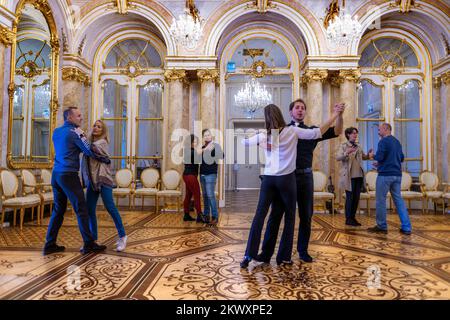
<point>280,144</point>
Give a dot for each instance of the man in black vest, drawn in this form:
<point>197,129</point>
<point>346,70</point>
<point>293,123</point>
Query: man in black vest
<point>305,186</point>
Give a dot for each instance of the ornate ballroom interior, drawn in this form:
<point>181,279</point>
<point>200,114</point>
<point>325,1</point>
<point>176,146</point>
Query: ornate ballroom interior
<point>125,62</point>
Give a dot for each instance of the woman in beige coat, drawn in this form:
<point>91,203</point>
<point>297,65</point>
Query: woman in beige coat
<point>352,173</point>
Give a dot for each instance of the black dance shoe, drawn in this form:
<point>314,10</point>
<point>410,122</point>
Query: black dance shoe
<point>352,222</point>
<point>213,222</point>
<point>53,249</point>
<point>187,217</point>
<point>244,263</point>
<point>199,218</point>
<point>285,262</point>
<point>94,247</point>
<point>376,229</point>
<point>261,258</point>
<point>305,257</point>
<point>408,233</point>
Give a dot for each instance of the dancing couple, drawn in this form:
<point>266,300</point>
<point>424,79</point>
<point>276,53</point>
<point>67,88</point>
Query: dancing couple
<point>280,181</point>
<point>69,141</point>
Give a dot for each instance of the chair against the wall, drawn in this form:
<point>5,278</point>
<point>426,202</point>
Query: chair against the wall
<point>150,181</point>
<point>171,184</point>
<point>125,185</point>
<point>30,187</point>
<point>46,191</point>
<point>9,185</point>
<point>445,195</point>
<point>406,192</point>
<point>320,193</point>
<point>429,183</point>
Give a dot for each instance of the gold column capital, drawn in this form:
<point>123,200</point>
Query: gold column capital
<point>336,80</point>
<point>445,77</point>
<point>208,75</point>
<point>315,75</point>
<point>75,74</point>
<point>6,36</point>
<point>175,75</point>
<point>437,81</point>
<point>349,75</point>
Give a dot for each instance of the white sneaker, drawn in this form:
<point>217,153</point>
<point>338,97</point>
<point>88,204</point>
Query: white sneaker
<point>122,243</point>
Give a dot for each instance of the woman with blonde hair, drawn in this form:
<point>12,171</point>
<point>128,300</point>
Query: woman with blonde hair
<point>98,178</point>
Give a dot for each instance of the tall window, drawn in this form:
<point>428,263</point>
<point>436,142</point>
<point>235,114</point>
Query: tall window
<point>132,104</point>
<point>390,91</point>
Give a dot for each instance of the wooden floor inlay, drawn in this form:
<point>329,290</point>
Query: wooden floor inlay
<point>167,258</point>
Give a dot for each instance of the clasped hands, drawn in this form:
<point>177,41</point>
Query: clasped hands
<point>339,109</point>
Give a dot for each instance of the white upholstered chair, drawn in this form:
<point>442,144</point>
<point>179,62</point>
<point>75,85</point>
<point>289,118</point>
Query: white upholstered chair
<point>320,193</point>
<point>46,191</point>
<point>9,186</point>
<point>171,182</point>
<point>125,185</point>
<point>406,192</point>
<point>429,183</point>
<point>150,181</point>
<point>30,187</point>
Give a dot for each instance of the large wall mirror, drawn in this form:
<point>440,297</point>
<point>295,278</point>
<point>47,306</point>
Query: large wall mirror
<point>33,87</point>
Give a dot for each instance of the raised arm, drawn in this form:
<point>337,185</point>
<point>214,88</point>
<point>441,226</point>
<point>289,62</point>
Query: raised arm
<point>327,124</point>
<point>308,134</point>
<point>340,119</point>
<point>254,140</point>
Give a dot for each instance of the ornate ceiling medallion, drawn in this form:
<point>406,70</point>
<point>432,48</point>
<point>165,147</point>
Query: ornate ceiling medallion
<point>29,69</point>
<point>259,69</point>
<point>389,69</point>
<point>132,70</point>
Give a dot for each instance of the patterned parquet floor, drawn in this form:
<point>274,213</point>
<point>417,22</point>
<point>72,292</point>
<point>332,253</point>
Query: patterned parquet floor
<point>167,258</point>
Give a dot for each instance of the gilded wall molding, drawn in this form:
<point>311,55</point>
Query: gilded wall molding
<point>43,6</point>
<point>335,80</point>
<point>349,75</point>
<point>75,74</point>
<point>303,81</point>
<point>261,6</point>
<point>175,75</point>
<point>11,89</point>
<point>404,6</point>
<point>445,78</point>
<point>6,36</point>
<point>437,81</point>
<point>315,75</point>
<point>208,75</point>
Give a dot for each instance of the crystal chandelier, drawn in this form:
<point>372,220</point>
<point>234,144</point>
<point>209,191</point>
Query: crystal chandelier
<point>188,29</point>
<point>341,28</point>
<point>252,97</point>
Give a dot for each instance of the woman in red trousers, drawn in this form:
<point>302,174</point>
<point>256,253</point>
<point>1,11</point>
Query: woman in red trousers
<point>192,160</point>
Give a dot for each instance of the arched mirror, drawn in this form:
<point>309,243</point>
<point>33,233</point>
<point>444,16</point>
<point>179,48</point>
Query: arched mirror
<point>32,89</point>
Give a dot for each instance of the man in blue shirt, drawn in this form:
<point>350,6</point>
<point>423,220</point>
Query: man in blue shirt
<point>69,141</point>
<point>389,158</point>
